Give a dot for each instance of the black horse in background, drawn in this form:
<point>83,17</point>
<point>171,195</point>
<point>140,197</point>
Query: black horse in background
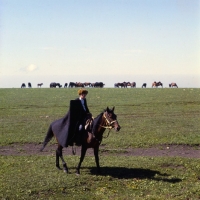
<point>29,85</point>
<point>54,85</point>
<point>144,85</point>
<point>98,84</point>
<point>23,85</point>
<point>105,120</point>
<point>72,84</point>
<point>39,85</point>
<point>65,85</point>
<point>123,84</point>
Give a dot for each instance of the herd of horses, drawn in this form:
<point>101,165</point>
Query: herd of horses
<point>70,85</point>
<point>30,85</point>
<point>144,85</point>
<point>100,85</point>
<point>125,84</point>
<point>86,84</point>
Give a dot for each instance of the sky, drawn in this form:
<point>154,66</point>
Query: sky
<point>109,41</point>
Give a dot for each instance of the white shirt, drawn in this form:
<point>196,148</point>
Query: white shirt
<point>82,102</point>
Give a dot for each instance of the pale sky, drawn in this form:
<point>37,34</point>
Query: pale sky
<point>43,41</point>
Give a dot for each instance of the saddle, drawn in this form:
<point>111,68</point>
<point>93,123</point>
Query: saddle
<point>88,128</point>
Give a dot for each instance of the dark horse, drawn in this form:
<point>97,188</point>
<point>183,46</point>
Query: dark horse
<point>23,85</point>
<point>39,84</point>
<point>144,85</point>
<point>105,120</point>
<point>156,84</point>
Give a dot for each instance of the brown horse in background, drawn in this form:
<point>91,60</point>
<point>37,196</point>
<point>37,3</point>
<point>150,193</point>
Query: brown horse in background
<point>173,85</point>
<point>133,84</point>
<point>122,85</point>
<point>105,120</point>
<point>156,84</point>
<point>87,84</point>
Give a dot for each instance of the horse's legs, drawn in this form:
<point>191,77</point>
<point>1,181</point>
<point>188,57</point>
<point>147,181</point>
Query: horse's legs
<point>83,152</point>
<point>96,154</point>
<point>59,154</point>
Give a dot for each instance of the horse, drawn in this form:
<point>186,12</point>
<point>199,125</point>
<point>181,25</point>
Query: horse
<point>99,84</point>
<point>124,84</point>
<point>92,84</point>
<point>173,85</point>
<point>144,85</point>
<point>133,84</point>
<point>116,85</point>
<point>72,84</point>
<point>87,84</point>
<point>29,85</point>
<point>79,84</point>
<point>65,85</point>
<point>127,84</point>
<point>23,85</point>
<point>105,120</point>
<point>156,84</point>
<point>39,84</point>
<point>52,84</point>
<point>58,84</point>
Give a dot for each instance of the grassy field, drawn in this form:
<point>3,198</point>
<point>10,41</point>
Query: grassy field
<point>148,117</point>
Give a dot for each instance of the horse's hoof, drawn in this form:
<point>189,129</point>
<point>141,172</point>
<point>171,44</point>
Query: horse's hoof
<point>77,173</point>
<point>65,171</point>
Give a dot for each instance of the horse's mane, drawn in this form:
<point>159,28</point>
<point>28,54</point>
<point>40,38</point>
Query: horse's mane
<point>96,122</point>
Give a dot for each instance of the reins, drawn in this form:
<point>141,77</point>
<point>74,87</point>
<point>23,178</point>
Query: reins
<point>109,126</point>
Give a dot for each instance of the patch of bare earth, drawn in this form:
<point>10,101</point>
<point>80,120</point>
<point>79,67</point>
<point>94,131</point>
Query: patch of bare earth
<point>161,150</point>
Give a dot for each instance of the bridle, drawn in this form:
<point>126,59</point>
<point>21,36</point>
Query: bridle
<point>108,124</point>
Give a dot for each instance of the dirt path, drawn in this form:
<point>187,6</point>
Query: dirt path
<point>164,150</point>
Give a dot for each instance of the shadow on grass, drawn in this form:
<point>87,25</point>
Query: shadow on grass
<point>138,173</point>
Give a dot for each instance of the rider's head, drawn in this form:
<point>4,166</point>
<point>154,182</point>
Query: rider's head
<point>82,93</point>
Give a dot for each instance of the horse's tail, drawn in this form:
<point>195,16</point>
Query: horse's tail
<point>48,137</point>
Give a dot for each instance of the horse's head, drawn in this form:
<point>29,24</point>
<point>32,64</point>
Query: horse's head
<point>111,119</point>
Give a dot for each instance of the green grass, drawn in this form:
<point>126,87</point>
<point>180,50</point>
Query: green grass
<point>35,177</point>
<point>148,117</point>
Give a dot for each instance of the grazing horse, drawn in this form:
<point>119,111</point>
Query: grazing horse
<point>105,120</point>
<point>52,84</point>
<point>133,84</point>
<point>79,84</point>
<point>116,85</point>
<point>173,85</point>
<point>23,85</point>
<point>58,84</point>
<point>72,84</point>
<point>66,84</point>
<point>29,85</point>
<point>92,84</point>
<point>156,84</point>
<point>124,84</point>
<point>87,84</point>
<point>127,84</point>
<point>39,84</point>
<point>144,85</point>
<point>99,84</point>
